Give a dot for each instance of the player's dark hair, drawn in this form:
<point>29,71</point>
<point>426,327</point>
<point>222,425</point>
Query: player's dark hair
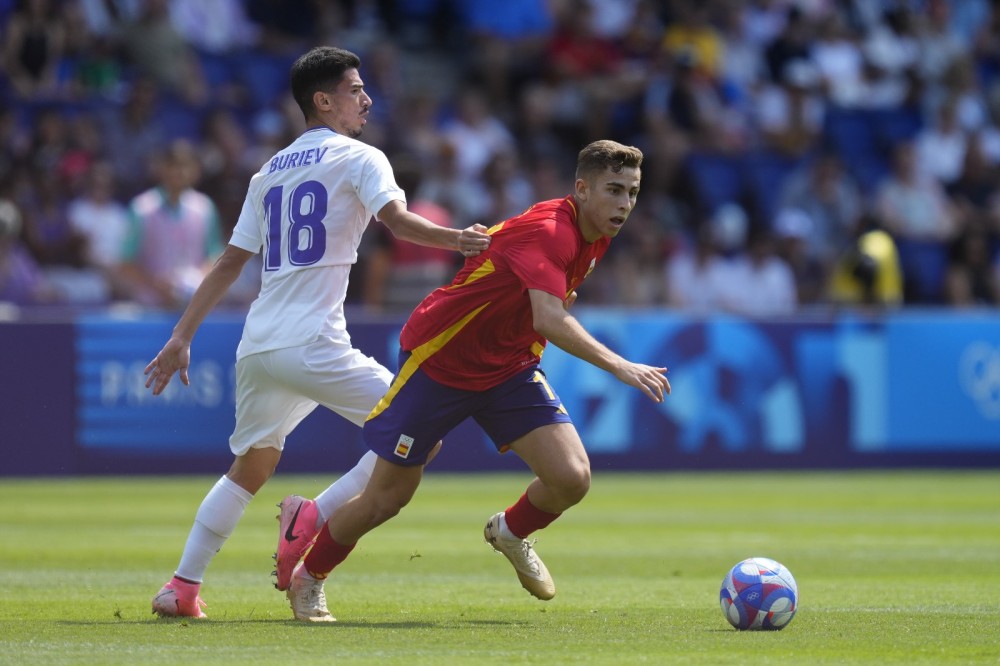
<point>319,69</point>
<point>606,154</point>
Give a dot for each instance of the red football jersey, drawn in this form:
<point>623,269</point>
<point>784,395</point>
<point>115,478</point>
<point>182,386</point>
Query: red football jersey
<point>477,332</point>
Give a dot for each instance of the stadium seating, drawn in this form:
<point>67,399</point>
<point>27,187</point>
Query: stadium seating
<point>924,264</point>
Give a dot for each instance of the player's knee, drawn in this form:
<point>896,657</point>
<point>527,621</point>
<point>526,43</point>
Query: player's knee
<point>574,484</point>
<point>251,472</point>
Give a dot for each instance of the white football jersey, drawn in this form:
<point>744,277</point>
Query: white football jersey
<point>306,210</point>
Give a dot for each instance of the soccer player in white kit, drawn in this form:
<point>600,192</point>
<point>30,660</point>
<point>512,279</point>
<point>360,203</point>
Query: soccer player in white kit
<point>306,210</point>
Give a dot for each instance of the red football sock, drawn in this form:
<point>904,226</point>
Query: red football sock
<point>325,555</point>
<point>523,517</point>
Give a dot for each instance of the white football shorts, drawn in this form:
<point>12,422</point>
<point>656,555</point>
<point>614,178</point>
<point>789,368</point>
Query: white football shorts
<point>276,389</point>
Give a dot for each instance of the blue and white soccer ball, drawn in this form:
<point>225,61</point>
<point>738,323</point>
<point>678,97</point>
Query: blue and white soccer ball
<point>759,593</point>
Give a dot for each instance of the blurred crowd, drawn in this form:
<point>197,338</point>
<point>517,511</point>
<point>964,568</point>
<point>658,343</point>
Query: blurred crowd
<point>800,154</point>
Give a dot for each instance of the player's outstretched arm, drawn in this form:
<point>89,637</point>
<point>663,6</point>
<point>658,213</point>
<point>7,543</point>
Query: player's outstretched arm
<point>409,226</point>
<point>559,327</point>
<point>176,354</point>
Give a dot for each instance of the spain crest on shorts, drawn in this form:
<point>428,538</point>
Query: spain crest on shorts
<point>403,446</point>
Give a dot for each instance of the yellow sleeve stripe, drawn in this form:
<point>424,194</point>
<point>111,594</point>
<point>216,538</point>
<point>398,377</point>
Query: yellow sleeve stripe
<point>418,356</point>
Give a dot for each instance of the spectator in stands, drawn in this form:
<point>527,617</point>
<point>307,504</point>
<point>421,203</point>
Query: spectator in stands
<point>764,20</point>
<point>384,81</point>
<point>416,125</point>
<point>585,75</point>
<point>758,282</point>
<point>742,68</point>
<point>790,115</point>
<point>792,43</point>
<point>868,272</point>
<point>285,25</point>
<point>104,18</point>
<point>972,279</point>
<point>974,192</point>
<point>941,145</point>
<point>911,205</point>
<point>841,64</point>
<point>399,274</point>
<point>173,234</point>
<point>792,230</point>
<point>133,132</point>
<point>83,148</point>
<point>507,189</point>
<point>985,51</point>
<point>891,51</point>
<point>99,71</point>
<point>48,140</point>
<point>155,47</point>
<point>58,248</point>
<point>15,139</point>
<point>504,47</point>
<point>102,221</point>
<point>634,275</point>
<point>691,33</point>
<point>21,281</point>
<point>829,197</point>
<point>691,104</point>
<point>226,163</point>
<point>447,185</point>
<point>608,45</point>
<point>696,273</point>
<point>547,179</point>
<point>940,44</point>
<point>961,84</point>
<point>218,27</point>
<point>33,44</point>
<point>475,133</point>
<point>615,19</point>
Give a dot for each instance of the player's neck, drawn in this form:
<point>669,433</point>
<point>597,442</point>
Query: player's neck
<point>314,123</point>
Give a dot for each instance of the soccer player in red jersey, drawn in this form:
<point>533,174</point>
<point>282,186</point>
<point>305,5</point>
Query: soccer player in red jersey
<point>472,349</point>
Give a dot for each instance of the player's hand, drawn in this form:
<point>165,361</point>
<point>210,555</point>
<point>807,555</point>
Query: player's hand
<point>175,356</point>
<point>649,379</point>
<point>473,240</point>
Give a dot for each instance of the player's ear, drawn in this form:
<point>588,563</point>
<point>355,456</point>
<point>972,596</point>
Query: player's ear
<point>582,189</point>
<point>321,101</point>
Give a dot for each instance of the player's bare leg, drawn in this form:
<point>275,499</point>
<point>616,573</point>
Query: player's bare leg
<point>390,488</point>
<point>300,519</point>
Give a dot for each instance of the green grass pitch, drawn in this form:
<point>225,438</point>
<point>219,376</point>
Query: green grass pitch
<point>893,568</point>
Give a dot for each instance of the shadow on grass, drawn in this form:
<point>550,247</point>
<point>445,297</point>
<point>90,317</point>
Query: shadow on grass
<point>355,624</point>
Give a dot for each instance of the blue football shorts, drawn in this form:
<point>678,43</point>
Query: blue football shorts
<point>417,412</point>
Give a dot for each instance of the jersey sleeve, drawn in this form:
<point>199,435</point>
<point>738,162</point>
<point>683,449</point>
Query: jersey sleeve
<point>541,257</point>
<point>376,184</point>
<point>247,232</point>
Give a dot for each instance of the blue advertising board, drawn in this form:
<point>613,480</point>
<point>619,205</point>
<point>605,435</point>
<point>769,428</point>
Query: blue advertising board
<point>904,384</point>
<point>910,388</point>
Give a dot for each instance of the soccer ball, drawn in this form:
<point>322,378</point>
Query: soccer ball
<point>759,593</point>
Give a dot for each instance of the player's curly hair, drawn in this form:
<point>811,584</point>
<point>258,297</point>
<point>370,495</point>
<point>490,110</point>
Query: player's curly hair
<point>607,154</point>
<point>319,69</point>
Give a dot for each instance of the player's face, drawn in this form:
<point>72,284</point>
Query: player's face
<point>344,109</point>
<point>605,201</point>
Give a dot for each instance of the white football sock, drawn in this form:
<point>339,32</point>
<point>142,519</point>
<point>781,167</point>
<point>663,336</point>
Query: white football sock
<point>346,487</point>
<point>216,519</point>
